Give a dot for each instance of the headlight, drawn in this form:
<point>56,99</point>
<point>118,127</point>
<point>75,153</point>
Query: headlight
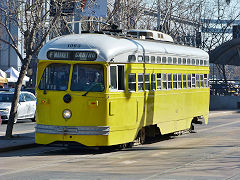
<point>67,114</point>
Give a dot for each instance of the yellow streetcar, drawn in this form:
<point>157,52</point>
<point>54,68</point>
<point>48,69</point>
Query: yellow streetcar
<point>104,90</point>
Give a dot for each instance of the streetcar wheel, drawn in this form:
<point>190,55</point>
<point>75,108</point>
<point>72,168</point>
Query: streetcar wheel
<point>130,145</point>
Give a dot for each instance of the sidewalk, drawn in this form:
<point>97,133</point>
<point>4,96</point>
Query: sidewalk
<point>19,141</point>
<point>26,139</point>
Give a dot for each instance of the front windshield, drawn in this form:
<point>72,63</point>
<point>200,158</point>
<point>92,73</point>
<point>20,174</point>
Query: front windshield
<point>55,77</point>
<point>87,77</point>
<point>6,97</point>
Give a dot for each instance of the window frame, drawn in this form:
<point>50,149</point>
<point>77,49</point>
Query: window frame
<point>153,88</point>
<point>169,82</point>
<point>153,59</point>
<point>131,59</point>
<point>169,60</point>
<point>189,81</point>
<point>179,61</point>
<point>193,80</point>
<point>146,59</point>
<point>164,60</point>
<point>205,80</point>
<point>157,80</point>
<point>140,58</point>
<point>117,77</point>
<point>201,81</point>
<point>174,81</point>
<point>184,80</point>
<point>148,82</point>
<point>159,60</point>
<point>164,81</point>
<point>142,82</point>
<point>180,81</point>
<point>132,82</point>
<point>198,80</point>
<point>184,61</point>
<point>175,61</point>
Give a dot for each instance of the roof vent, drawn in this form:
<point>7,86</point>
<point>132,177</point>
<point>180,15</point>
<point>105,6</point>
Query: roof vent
<point>149,34</point>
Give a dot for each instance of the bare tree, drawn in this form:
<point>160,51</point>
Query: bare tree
<point>33,21</point>
<point>126,13</point>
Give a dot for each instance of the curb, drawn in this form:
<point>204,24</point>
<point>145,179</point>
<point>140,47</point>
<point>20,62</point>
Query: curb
<point>221,113</point>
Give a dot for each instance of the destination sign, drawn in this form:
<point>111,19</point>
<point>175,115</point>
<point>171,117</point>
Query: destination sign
<point>72,55</point>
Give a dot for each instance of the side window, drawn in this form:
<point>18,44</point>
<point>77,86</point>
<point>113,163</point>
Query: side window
<point>158,81</point>
<point>201,62</point>
<point>170,81</point>
<point>164,81</point>
<point>132,82</point>
<point>158,59</point>
<point>164,60</point>
<point>153,82</point>
<point>147,82</point>
<point>153,59</point>
<point>179,60</point>
<point>131,58</point>
<point>146,59</point>
<point>174,60</point>
<point>169,60</point>
<point>121,77</point>
<point>188,61</point>
<point>201,80</point>
<point>197,80</point>
<point>184,81</point>
<point>113,78</point>
<point>174,81</point>
<point>193,81</point>
<point>197,61</point>
<point>29,97</point>
<point>189,81</point>
<point>140,58</point>
<point>140,82</point>
<point>184,61</point>
<point>205,80</point>
<point>21,98</point>
<point>205,62</point>
<point>193,62</point>
<point>117,77</point>
<point>179,81</point>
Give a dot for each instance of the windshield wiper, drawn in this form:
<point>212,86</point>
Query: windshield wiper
<point>90,89</point>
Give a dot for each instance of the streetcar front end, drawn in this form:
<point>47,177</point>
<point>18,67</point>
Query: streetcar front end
<point>72,102</point>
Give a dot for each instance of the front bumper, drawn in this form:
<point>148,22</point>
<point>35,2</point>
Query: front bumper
<point>72,130</point>
<point>4,117</point>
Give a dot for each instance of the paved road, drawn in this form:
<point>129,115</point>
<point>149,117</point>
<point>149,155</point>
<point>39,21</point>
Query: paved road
<point>211,153</point>
<point>20,127</point>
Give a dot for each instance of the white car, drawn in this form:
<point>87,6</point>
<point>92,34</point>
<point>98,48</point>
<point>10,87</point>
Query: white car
<point>26,106</point>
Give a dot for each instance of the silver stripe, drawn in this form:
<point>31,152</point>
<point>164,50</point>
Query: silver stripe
<point>73,130</point>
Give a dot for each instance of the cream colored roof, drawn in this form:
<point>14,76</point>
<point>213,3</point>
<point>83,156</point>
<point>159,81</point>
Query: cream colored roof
<point>109,46</point>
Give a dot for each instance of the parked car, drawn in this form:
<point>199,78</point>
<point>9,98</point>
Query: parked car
<point>26,106</point>
<point>31,90</point>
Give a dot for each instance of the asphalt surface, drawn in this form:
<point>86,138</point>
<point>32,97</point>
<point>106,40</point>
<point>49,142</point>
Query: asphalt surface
<point>24,137</point>
<point>211,153</point>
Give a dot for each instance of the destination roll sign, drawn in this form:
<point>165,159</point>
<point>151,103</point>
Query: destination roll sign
<point>72,55</point>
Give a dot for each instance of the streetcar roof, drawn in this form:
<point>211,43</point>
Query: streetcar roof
<point>109,47</point>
